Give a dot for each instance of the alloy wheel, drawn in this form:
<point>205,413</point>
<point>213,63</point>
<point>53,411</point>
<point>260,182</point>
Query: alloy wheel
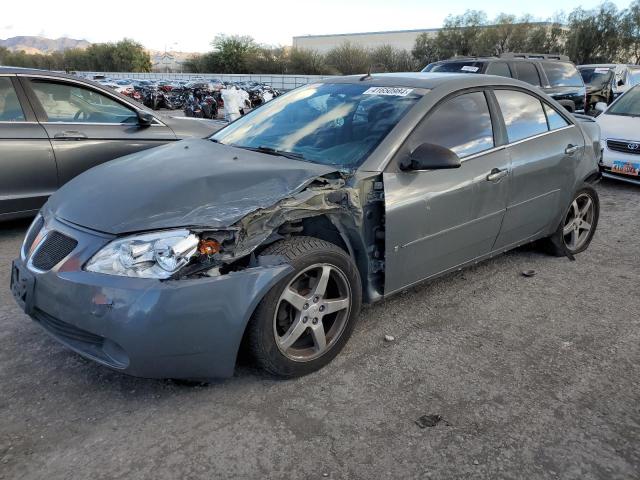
<point>578,222</point>
<point>312,312</point>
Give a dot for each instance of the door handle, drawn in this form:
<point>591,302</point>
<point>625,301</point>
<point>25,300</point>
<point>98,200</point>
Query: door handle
<point>496,174</point>
<point>571,149</point>
<point>70,135</point>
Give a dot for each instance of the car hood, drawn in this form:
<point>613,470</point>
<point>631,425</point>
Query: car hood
<point>190,183</point>
<point>619,127</point>
<point>185,127</point>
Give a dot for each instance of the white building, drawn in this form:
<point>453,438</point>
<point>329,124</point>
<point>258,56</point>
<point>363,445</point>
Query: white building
<point>404,39</point>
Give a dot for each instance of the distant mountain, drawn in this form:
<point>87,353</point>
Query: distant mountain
<point>32,44</point>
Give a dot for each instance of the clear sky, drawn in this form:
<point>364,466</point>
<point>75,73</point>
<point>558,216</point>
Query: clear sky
<point>190,25</point>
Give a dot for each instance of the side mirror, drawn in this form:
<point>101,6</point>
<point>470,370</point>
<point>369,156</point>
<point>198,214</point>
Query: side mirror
<point>144,118</point>
<point>600,107</point>
<point>429,156</point>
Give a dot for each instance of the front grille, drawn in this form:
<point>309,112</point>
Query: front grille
<point>66,330</point>
<point>624,146</point>
<point>54,248</point>
<point>32,233</point>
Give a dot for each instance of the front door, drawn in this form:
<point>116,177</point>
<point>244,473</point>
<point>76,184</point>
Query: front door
<point>439,219</point>
<point>27,167</point>
<point>88,127</point>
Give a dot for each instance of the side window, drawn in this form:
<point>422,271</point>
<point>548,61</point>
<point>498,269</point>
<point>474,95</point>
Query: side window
<point>462,124</point>
<point>527,72</point>
<point>499,68</point>
<point>562,74</point>
<point>70,103</point>
<point>10,109</point>
<point>554,119</point>
<point>523,114</point>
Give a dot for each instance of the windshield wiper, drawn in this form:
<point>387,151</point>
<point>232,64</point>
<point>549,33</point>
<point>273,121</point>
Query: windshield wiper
<point>274,151</point>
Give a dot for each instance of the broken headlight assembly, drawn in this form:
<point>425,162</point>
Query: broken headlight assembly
<point>151,255</point>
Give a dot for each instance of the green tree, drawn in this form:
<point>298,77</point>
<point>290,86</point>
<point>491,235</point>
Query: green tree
<point>306,62</point>
<point>459,35</point>
<point>594,36</point>
<point>630,37</point>
<point>349,59</point>
<point>265,59</point>
<point>233,52</point>
<point>426,50</point>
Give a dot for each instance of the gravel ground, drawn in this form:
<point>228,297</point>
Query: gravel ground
<point>533,378</point>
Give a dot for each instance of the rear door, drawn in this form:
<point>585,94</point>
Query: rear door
<point>527,72</point>
<point>88,126</point>
<point>544,148</point>
<point>27,168</point>
<point>500,69</point>
<point>439,219</point>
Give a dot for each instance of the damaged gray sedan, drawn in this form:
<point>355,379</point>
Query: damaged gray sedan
<point>273,232</point>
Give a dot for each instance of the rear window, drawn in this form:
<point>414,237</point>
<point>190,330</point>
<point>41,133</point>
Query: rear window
<point>523,114</point>
<point>527,72</point>
<point>596,76</point>
<point>470,66</point>
<point>10,109</point>
<point>562,74</point>
<point>499,68</point>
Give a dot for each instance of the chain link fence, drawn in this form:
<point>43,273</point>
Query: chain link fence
<point>281,82</point>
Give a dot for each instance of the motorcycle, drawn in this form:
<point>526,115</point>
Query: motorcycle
<point>201,104</point>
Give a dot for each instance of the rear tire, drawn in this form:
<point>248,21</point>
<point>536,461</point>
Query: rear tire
<point>578,224</point>
<point>304,321</point>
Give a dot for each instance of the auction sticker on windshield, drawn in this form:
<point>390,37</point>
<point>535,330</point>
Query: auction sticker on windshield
<point>626,168</point>
<point>392,91</point>
<point>469,68</point>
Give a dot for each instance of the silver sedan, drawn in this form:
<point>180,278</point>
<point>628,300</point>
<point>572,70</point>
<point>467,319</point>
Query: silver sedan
<point>274,231</point>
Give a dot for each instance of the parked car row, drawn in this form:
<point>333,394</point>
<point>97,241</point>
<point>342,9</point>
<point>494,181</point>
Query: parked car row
<point>578,89</point>
<point>610,92</point>
<point>196,97</point>
<point>606,82</point>
<point>620,126</point>
<point>274,230</point>
<point>555,75</point>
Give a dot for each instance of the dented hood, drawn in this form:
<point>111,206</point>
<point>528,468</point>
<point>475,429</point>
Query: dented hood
<point>188,183</point>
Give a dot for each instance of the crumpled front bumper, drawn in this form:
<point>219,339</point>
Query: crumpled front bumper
<point>149,328</point>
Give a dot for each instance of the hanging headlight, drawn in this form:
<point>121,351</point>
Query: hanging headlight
<point>152,255</point>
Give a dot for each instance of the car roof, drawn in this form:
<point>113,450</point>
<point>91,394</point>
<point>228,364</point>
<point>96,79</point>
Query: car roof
<point>34,71</point>
<point>427,80</point>
<point>503,59</point>
<point>52,74</point>
<point>610,65</point>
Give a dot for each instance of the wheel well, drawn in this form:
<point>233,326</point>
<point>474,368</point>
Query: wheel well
<point>593,178</point>
<point>321,227</point>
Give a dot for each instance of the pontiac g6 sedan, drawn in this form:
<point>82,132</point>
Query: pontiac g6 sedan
<point>273,232</point>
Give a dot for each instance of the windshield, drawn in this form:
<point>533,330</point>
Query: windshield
<point>470,66</point>
<point>596,77</point>
<point>628,104</point>
<point>334,124</point>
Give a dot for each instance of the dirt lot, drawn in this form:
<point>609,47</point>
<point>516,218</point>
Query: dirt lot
<point>533,378</point>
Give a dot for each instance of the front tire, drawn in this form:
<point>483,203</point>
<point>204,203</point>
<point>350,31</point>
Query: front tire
<point>578,225</point>
<point>306,319</point>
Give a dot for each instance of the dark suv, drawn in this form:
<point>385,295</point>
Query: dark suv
<point>553,74</point>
